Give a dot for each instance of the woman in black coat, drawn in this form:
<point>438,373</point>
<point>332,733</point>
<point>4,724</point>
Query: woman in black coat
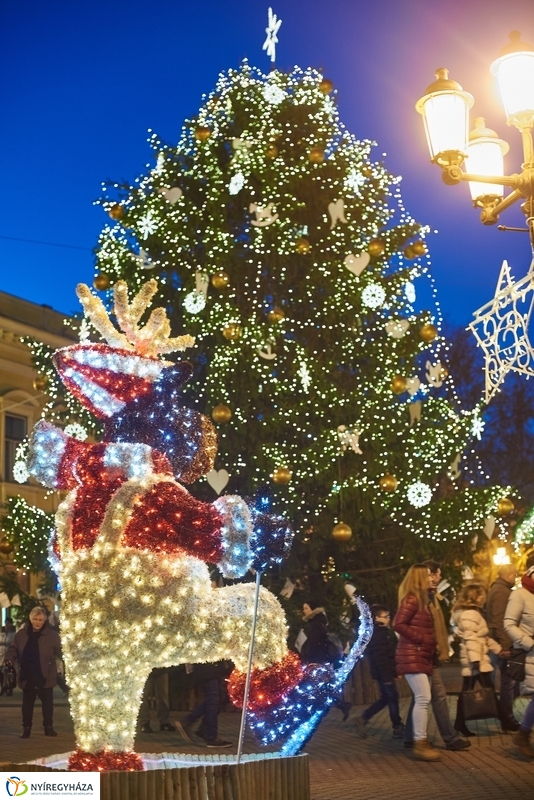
<point>34,651</point>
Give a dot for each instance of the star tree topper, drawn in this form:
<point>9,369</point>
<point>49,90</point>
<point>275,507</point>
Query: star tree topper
<point>271,30</point>
<point>501,328</point>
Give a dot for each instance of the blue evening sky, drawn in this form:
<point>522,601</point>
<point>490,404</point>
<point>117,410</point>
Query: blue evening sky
<point>81,82</point>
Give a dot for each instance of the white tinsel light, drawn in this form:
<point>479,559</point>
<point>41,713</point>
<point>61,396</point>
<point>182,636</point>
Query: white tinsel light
<point>419,494</point>
<point>373,295</point>
<point>274,94</point>
<point>76,430</point>
<point>194,302</point>
<point>409,288</point>
<point>236,183</point>
<point>20,472</point>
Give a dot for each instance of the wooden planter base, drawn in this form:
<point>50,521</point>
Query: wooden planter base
<point>168,776</point>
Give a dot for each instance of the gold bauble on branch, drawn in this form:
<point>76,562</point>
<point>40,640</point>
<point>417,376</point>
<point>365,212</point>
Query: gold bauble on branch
<point>281,475</point>
<point>202,134</point>
<point>102,282</point>
<point>376,247</point>
<point>40,383</point>
<point>341,532</point>
<point>419,248</point>
<point>505,506</point>
<point>399,384</point>
<point>326,86</point>
<point>271,151</point>
<point>276,315</point>
<point>232,332</point>
<point>316,155</point>
<point>221,413</point>
<point>409,252</point>
<point>5,546</point>
<point>428,332</point>
<point>388,482</point>
<point>116,211</point>
<point>302,246</point>
<point>220,280</point>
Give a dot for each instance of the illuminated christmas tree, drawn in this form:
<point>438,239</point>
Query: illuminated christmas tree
<point>286,251</point>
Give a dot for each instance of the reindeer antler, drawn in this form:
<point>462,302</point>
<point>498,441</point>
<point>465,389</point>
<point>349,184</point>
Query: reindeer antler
<point>149,341</point>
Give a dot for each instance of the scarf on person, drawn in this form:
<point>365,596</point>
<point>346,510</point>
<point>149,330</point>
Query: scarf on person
<point>527,580</point>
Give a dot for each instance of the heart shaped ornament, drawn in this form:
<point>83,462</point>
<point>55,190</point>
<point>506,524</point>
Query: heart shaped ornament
<point>357,264</point>
<point>397,328</point>
<point>218,479</point>
<point>172,195</point>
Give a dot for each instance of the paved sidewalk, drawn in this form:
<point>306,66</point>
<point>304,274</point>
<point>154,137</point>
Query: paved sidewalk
<point>343,767</point>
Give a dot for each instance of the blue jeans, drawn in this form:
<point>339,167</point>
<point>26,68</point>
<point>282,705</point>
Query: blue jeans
<point>208,709</point>
<point>438,701</point>
<point>389,697</point>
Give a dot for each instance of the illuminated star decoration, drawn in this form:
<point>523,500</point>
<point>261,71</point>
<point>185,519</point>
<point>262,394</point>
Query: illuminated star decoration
<point>501,328</point>
<point>271,30</point>
<point>147,224</point>
<point>304,375</point>
<point>478,427</point>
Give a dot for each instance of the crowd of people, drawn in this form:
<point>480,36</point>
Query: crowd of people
<point>492,627</point>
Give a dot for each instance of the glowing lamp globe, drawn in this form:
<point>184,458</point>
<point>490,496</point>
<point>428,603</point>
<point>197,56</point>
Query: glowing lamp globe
<point>375,248</point>
<point>445,111</point>
<point>485,153</point>
<point>221,413</point>
<point>505,506</point>
<point>220,280</point>
<point>102,282</point>
<point>202,134</point>
<point>428,332</point>
<point>316,155</point>
<point>276,315</point>
<point>399,384</point>
<point>302,246</point>
<point>232,332</point>
<point>388,482</point>
<point>514,70</point>
<point>326,86</point>
<point>40,383</point>
<point>281,476</point>
<point>116,211</point>
<point>341,532</point>
<point>5,546</point>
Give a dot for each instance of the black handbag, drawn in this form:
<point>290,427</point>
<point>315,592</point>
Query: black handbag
<point>515,664</point>
<point>479,702</point>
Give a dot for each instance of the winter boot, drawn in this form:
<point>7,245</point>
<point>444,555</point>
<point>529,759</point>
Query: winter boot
<point>26,731</point>
<point>49,731</point>
<point>423,750</point>
<point>521,739</point>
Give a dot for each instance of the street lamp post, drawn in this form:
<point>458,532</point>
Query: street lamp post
<point>478,157</point>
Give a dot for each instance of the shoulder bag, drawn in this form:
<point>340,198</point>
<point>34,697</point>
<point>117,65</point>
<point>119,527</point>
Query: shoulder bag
<point>515,664</point>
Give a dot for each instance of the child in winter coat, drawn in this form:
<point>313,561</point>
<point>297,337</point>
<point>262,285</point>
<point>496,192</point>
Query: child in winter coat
<point>381,654</point>
<point>475,643</point>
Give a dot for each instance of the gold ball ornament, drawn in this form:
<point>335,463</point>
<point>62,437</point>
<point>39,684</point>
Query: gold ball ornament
<point>232,332</point>
<point>116,211</point>
<point>5,546</point>
<point>316,155</point>
<point>281,476</point>
<point>302,246</point>
<point>428,332</point>
<point>326,86</point>
<point>341,532</point>
<point>376,248</point>
<point>271,151</point>
<point>221,413</point>
<point>202,134</point>
<point>220,280</point>
<point>102,282</point>
<point>276,315</point>
<point>388,482</point>
<point>399,384</point>
<point>40,383</point>
<point>409,253</point>
<point>505,506</point>
<point>419,248</point>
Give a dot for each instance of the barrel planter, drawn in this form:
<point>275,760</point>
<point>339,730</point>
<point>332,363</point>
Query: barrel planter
<point>167,776</point>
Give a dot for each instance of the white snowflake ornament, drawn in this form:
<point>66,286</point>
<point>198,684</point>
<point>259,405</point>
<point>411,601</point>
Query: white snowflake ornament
<point>419,494</point>
<point>373,295</point>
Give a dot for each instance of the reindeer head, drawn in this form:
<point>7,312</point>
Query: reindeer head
<point>127,385</point>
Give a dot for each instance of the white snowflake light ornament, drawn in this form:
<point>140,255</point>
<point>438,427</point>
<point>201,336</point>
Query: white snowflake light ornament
<point>271,30</point>
<point>147,224</point>
<point>373,295</point>
<point>419,494</point>
<point>274,94</point>
<point>236,183</point>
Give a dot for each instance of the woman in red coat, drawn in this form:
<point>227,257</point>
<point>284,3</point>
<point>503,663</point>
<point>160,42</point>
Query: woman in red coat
<point>416,650</point>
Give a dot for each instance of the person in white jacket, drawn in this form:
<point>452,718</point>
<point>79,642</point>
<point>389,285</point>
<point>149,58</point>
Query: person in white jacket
<point>475,644</point>
<point>519,625</point>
